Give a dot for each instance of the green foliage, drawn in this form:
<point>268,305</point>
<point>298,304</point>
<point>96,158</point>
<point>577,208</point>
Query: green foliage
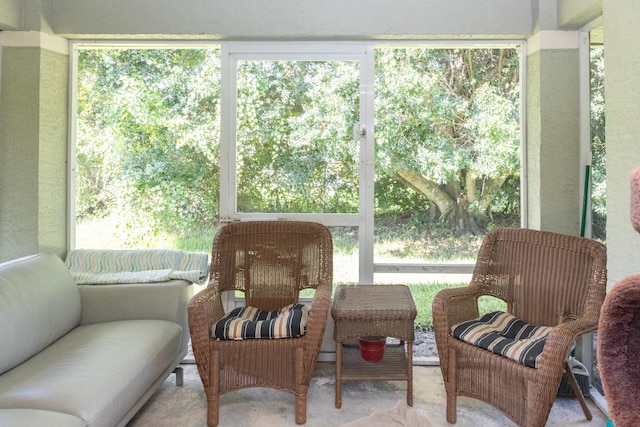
<point>148,136</point>
<point>598,161</point>
<point>447,137</point>
<point>448,128</point>
<point>296,152</point>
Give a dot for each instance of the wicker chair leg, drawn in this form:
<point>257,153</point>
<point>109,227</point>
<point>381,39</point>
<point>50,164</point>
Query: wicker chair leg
<point>301,390</point>
<point>537,413</point>
<point>301,408</point>
<point>450,387</point>
<point>577,391</point>
<point>212,411</point>
<point>213,391</point>
<point>531,407</point>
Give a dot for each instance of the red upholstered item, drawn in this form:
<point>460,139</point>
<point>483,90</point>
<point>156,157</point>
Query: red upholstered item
<point>619,337</point>
<point>619,350</point>
<point>635,199</point>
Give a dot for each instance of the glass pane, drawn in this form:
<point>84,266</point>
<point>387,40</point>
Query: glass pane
<point>295,146</point>
<point>598,159</point>
<point>345,255</point>
<point>447,151</point>
<point>598,170</point>
<point>148,132</point>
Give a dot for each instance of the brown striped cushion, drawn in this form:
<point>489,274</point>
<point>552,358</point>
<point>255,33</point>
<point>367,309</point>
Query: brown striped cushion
<point>250,323</point>
<point>505,334</point>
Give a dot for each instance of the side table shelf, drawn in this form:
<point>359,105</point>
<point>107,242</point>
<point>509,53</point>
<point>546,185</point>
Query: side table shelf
<point>392,367</point>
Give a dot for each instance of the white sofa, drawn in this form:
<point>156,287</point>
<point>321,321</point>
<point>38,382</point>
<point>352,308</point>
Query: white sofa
<point>87,355</point>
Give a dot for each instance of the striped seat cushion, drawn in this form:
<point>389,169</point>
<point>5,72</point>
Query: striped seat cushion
<point>250,322</point>
<point>505,334</point>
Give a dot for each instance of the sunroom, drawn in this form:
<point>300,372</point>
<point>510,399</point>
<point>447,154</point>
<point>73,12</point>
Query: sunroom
<point>41,42</point>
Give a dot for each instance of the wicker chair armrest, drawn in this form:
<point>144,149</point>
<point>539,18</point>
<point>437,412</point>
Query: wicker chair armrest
<point>320,305</point>
<point>204,309</point>
<point>452,306</point>
<point>561,338</point>
<point>555,353</point>
<point>455,305</point>
<point>316,324</point>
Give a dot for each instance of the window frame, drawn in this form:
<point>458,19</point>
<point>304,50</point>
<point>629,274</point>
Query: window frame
<point>365,218</point>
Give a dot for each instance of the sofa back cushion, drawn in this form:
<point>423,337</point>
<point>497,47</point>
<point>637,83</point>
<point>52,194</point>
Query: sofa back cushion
<point>39,303</point>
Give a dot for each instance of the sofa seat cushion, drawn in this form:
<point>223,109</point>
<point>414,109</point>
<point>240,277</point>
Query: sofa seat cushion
<point>96,372</point>
<point>504,334</point>
<point>37,417</point>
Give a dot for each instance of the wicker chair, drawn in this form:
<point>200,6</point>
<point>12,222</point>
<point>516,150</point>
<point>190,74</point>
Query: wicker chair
<point>546,279</point>
<point>270,262</point>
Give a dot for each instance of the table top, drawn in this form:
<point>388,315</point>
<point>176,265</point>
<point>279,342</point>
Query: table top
<point>377,302</point>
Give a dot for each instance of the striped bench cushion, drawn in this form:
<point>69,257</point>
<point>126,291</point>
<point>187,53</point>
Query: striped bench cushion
<point>250,322</point>
<point>505,334</point>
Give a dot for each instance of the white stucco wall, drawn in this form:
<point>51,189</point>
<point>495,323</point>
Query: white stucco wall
<point>11,14</point>
<point>576,13</point>
<point>622,97</point>
<point>294,19</point>
<point>19,152</point>
<point>553,155</point>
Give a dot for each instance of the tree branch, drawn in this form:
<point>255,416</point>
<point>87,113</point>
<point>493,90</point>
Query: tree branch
<point>430,189</point>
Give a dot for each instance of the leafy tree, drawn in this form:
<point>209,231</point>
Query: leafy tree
<point>448,128</point>
<point>296,151</point>
<point>148,137</point>
<point>447,136</point>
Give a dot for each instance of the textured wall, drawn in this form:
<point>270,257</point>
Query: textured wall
<point>534,144</point>
<point>11,14</point>
<point>622,97</point>
<point>33,151</point>
<point>553,161</point>
<point>52,182</point>
<point>19,151</point>
<point>577,13</point>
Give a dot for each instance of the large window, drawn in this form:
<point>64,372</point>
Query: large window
<point>447,151</point>
<point>409,153</point>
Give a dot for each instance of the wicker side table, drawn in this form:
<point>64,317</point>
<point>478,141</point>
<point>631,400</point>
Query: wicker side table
<point>383,310</point>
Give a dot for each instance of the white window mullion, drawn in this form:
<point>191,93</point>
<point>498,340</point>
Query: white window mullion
<point>367,168</point>
<point>227,135</point>
<point>71,160</point>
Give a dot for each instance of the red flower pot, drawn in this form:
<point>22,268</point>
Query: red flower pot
<point>372,348</point>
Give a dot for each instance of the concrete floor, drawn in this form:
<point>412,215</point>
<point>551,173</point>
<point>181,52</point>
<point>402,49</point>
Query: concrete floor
<point>186,407</point>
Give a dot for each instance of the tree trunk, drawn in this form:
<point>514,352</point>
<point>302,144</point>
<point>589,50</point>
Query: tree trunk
<point>489,192</point>
<point>456,211</point>
<point>466,220</point>
<point>443,201</point>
